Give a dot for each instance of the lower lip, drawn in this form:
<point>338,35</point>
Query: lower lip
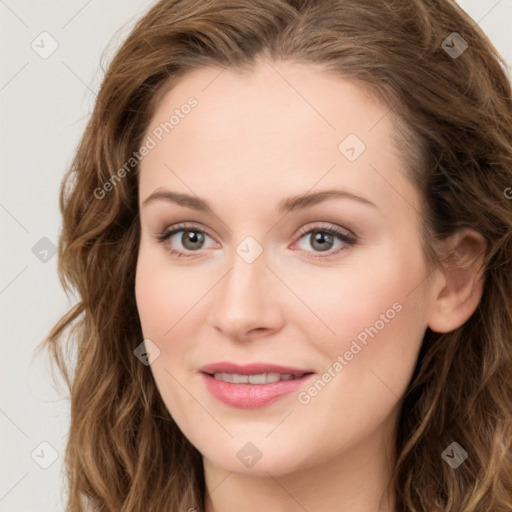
<point>251,396</point>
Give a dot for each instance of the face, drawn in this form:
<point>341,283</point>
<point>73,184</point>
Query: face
<point>288,328</point>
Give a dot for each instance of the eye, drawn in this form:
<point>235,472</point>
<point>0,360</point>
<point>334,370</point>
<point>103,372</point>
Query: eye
<point>191,239</point>
<point>322,238</point>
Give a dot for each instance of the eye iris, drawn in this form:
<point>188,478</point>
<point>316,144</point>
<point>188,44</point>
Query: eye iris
<point>320,236</point>
<point>194,237</point>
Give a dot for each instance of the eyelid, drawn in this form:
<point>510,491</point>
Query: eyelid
<point>180,226</point>
<point>328,227</point>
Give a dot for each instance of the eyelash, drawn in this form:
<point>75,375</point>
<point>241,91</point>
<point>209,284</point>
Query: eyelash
<point>348,240</point>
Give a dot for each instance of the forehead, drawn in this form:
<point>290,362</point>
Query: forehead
<point>278,125</point>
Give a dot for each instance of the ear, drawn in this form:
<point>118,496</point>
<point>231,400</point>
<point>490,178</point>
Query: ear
<point>458,290</point>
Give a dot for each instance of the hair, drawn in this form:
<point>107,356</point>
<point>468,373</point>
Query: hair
<point>453,120</point>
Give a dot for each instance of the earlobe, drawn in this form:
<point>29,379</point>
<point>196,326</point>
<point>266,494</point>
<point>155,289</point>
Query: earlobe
<point>458,292</point>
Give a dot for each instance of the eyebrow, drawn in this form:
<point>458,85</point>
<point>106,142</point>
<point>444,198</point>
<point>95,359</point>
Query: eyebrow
<point>290,204</point>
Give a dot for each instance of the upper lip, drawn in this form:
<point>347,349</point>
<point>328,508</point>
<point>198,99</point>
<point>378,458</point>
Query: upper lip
<point>251,369</point>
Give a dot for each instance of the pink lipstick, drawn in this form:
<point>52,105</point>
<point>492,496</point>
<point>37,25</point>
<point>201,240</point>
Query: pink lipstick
<point>253,385</point>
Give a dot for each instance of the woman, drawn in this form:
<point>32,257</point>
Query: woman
<point>341,338</point>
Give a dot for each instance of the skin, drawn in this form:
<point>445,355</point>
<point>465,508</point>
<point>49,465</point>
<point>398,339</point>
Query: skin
<point>253,140</point>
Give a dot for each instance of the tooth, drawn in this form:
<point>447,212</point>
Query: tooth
<point>273,377</point>
<point>260,378</point>
<point>226,377</point>
<point>240,379</point>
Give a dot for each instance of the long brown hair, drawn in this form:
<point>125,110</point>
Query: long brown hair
<point>453,117</point>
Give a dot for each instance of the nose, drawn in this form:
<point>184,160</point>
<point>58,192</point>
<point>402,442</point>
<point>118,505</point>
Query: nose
<point>247,300</point>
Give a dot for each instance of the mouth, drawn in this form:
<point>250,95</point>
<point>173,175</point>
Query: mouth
<point>258,378</point>
<point>254,385</point>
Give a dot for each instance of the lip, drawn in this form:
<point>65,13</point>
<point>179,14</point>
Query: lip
<point>250,369</point>
<point>252,396</point>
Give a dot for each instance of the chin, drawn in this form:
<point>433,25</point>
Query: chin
<point>259,457</point>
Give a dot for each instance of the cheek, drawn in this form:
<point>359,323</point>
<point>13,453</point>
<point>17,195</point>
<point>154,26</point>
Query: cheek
<point>172,302</point>
<point>376,319</point>
<point>162,294</point>
<point>163,298</point>
<point>151,302</point>
<point>370,294</point>
<point>378,326</point>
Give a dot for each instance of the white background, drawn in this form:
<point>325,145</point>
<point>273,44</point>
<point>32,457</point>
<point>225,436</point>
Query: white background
<point>44,107</point>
